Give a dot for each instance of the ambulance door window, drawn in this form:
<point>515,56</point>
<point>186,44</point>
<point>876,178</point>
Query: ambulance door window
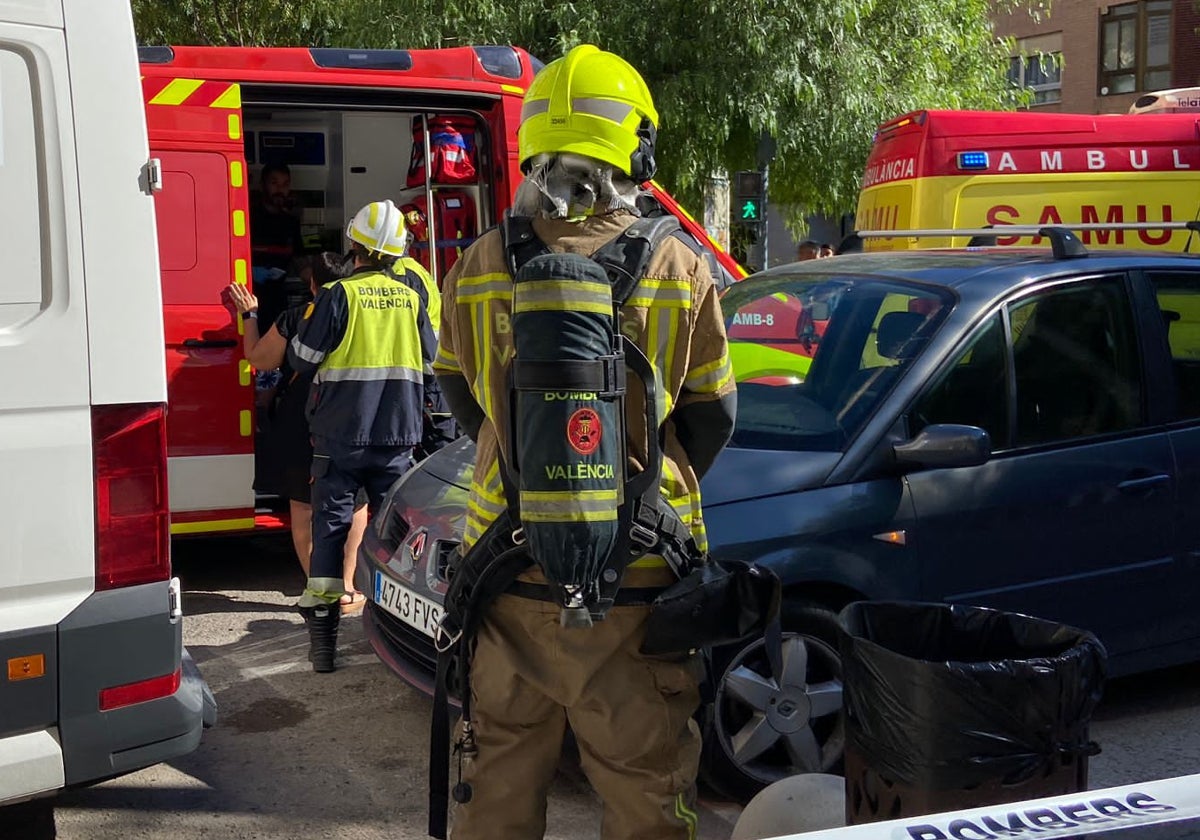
<point>1178,296</point>
<point>23,291</point>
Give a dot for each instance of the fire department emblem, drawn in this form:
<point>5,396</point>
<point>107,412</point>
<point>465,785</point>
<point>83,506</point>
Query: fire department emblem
<point>584,430</point>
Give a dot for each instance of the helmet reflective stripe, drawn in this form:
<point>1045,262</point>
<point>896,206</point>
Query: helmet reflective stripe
<point>532,107</point>
<point>379,227</point>
<point>610,110</point>
<point>617,112</point>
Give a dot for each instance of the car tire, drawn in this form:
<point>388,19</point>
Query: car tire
<point>756,732</point>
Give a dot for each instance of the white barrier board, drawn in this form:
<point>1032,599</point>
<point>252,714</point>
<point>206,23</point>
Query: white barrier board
<point>1073,815</point>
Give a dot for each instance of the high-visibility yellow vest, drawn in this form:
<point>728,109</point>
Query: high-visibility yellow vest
<point>433,306</point>
<point>377,344</point>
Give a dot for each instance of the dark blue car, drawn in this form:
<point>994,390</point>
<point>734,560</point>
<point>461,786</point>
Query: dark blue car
<point>1013,428</point>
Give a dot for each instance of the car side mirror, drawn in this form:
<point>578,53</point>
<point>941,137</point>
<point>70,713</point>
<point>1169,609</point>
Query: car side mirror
<point>945,445</point>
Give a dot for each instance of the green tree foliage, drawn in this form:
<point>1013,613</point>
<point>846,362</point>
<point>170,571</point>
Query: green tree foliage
<point>818,75</point>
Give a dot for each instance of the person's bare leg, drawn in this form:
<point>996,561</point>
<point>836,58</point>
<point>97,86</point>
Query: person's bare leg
<point>350,558</point>
<point>301,513</point>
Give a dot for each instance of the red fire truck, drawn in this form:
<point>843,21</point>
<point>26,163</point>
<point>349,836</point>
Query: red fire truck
<point>353,126</point>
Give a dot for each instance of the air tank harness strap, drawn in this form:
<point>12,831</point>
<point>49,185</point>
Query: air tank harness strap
<point>478,578</point>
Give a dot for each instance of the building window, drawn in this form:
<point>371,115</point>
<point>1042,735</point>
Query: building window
<point>1135,47</point>
<point>1041,73</point>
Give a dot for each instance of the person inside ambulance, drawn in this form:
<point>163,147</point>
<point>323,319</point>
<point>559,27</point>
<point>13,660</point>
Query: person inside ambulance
<point>275,238</point>
<point>368,340</point>
<point>586,143</point>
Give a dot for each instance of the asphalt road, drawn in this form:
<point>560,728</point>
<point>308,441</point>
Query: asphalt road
<point>299,755</point>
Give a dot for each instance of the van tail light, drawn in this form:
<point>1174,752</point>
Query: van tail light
<point>140,692</point>
<point>133,542</point>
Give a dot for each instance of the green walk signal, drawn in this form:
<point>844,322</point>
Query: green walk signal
<point>750,211</point>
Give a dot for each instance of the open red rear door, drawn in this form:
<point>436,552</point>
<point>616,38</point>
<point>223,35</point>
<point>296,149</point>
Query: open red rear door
<point>195,129</point>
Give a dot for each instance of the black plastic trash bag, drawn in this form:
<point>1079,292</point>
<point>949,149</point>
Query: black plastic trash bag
<point>951,707</point>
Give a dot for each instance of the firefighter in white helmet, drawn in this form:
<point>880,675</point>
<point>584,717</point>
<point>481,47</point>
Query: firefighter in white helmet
<point>369,339</point>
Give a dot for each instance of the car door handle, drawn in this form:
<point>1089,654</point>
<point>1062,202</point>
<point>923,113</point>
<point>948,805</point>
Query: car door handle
<point>1144,484</point>
<point>207,343</point>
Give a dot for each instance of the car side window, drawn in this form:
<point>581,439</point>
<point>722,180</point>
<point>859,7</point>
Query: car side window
<point>1179,300</point>
<point>1073,354</point>
<point>1076,364</point>
<point>973,391</point>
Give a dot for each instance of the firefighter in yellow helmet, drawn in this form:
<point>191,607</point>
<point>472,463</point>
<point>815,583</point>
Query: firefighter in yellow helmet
<point>587,143</point>
<point>368,339</point>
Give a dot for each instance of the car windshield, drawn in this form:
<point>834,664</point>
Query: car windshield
<point>815,354</point>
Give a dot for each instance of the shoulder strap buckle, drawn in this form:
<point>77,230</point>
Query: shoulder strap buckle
<point>625,258</point>
<point>520,242</point>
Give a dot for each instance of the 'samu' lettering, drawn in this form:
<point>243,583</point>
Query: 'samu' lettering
<point>1005,214</point>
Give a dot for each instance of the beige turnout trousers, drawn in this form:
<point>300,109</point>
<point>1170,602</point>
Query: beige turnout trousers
<point>631,715</point>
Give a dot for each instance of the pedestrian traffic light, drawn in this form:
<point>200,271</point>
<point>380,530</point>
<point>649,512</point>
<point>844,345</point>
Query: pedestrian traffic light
<point>749,197</point>
<point>748,223</point>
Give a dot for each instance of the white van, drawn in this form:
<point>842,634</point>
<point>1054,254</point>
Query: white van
<point>94,681</point>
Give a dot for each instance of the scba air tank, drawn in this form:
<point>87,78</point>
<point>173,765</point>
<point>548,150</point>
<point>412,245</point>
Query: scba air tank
<point>568,421</point>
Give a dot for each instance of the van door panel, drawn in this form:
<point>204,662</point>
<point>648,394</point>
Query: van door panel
<point>47,554</point>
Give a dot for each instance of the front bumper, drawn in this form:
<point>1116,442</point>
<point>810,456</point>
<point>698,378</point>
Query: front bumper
<point>408,653</point>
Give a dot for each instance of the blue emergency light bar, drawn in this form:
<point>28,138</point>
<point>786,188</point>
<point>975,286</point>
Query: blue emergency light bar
<point>972,160</point>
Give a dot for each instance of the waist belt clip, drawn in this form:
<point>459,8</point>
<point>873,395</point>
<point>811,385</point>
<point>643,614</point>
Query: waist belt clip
<point>518,536</point>
<point>642,538</point>
<point>443,638</point>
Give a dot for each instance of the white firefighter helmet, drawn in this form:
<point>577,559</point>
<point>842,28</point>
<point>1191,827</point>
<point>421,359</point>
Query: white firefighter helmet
<point>379,227</point>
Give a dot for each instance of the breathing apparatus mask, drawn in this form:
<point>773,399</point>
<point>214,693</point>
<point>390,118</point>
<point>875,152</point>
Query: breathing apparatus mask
<point>570,186</point>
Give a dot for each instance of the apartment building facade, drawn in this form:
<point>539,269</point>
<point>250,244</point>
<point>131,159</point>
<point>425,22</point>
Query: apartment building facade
<point>1087,56</point>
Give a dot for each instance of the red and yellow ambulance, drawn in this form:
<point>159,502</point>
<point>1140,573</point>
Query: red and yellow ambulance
<point>352,126</point>
<point>970,169</point>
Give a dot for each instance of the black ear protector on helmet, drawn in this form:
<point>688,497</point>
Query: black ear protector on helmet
<point>641,163</point>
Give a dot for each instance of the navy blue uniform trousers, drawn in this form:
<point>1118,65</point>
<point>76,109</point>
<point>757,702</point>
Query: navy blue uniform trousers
<point>338,471</point>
